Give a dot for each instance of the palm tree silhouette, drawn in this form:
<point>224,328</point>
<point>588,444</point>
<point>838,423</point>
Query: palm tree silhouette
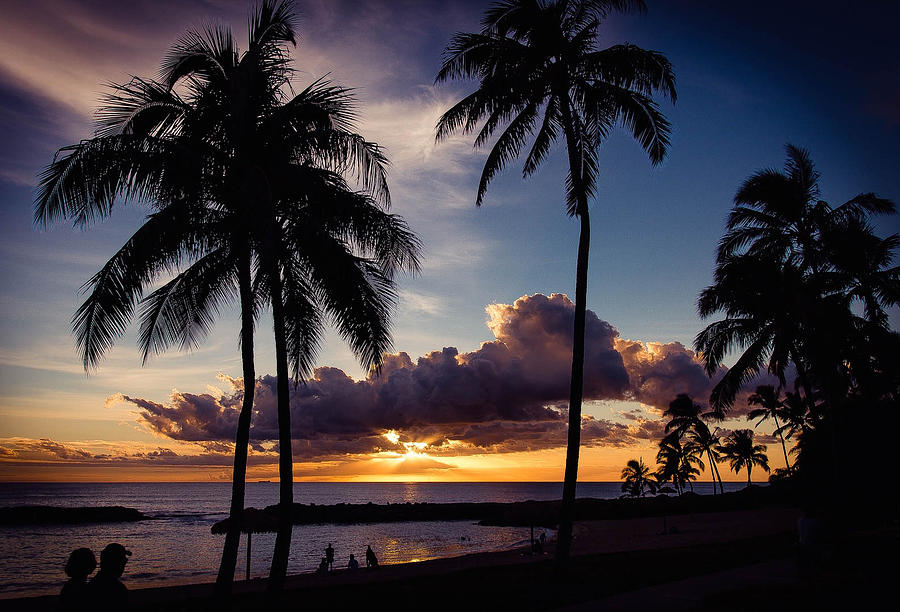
<point>540,72</point>
<point>678,462</point>
<point>636,478</point>
<point>685,420</point>
<point>704,441</point>
<point>770,407</point>
<point>249,184</point>
<point>789,268</point>
<point>739,450</point>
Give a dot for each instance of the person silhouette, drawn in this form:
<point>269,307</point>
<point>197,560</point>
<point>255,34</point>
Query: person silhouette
<point>329,556</point>
<point>105,590</point>
<point>371,559</point>
<point>74,594</point>
<point>353,564</point>
<point>323,567</point>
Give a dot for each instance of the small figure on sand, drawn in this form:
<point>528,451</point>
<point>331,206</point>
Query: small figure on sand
<point>74,594</point>
<point>329,556</point>
<point>353,564</point>
<point>323,567</point>
<point>371,559</point>
<point>105,590</point>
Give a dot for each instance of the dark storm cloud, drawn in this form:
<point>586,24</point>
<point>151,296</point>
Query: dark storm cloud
<point>509,395</point>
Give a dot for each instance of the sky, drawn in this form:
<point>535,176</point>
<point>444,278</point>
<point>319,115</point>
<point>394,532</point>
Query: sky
<point>477,385</point>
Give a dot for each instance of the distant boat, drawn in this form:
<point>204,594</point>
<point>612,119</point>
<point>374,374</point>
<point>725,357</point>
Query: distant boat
<point>263,481</point>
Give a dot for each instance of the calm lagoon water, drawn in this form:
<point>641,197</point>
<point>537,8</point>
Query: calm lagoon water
<point>177,545</point>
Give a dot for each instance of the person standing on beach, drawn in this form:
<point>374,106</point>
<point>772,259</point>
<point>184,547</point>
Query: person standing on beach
<point>105,590</point>
<point>329,556</point>
<point>371,559</point>
<point>74,594</point>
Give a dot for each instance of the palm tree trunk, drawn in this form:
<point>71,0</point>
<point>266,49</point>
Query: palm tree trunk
<point>787,463</point>
<point>278,570</point>
<point>719,474</point>
<point>712,469</point>
<point>576,386</point>
<point>225,579</point>
<point>748,475</point>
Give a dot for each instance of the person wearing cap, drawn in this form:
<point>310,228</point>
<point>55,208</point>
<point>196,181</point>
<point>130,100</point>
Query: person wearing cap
<point>106,590</point>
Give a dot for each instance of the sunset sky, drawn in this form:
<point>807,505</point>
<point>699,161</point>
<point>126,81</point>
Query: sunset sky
<point>483,335</point>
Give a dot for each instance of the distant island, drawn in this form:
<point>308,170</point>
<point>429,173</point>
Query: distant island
<point>56,515</point>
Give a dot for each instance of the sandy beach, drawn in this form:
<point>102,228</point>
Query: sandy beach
<point>602,539</point>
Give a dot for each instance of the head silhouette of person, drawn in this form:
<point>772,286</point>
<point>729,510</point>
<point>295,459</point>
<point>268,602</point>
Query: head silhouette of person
<point>113,559</point>
<point>80,564</point>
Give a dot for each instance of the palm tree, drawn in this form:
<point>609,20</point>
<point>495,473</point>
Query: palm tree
<point>779,214</point>
<point>784,273</point>
<point>678,463</point>
<point>249,184</point>
<point>636,478</point>
<point>540,71</point>
<point>739,450</point>
<point>323,249</point>
<point>766,304</point>
<point>683,413</point>
<point>685,420</point>
<point>149,146</point>
<point>770,407</point>
<point>703,441</point>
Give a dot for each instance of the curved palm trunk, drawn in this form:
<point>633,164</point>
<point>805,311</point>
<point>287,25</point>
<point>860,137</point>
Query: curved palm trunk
<point>712,469</point>
<point>225,578</point>
<point>278,570</point>
<point>787,463</point>
<point>576,386</point>
<point>719,475</point>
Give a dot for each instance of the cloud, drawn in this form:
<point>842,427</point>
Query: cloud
<point>30,452</point>
<point>658,372</point>
<point>509,395</point>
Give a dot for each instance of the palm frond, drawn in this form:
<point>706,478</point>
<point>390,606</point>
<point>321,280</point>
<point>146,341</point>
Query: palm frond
<point>183,310</point>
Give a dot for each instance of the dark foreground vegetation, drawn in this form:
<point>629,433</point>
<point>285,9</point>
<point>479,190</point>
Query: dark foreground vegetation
<point>54,515</point>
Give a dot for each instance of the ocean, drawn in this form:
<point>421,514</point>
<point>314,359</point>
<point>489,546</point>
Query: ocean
<point>177,546</point>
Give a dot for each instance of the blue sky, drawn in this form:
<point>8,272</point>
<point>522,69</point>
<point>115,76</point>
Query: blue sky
<point>751,76</point>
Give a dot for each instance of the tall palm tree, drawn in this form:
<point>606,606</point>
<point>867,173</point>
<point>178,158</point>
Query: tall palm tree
<point>636,478</point>
<point>154,147</point>
<point>770,407</point>
<point>739,450</point>
<point>541,72</point>
<point>249,183</point>
<point>703,441</point>
<point>323,249</point>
